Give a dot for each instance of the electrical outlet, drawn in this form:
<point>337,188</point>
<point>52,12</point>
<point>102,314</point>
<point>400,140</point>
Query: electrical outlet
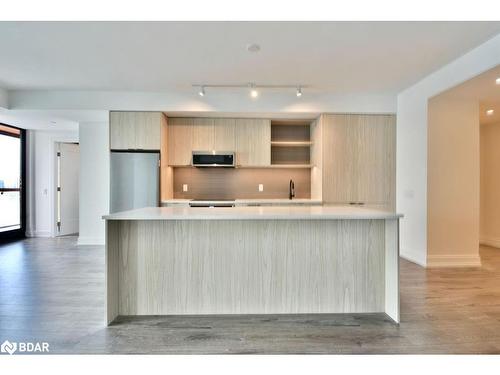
<point>261,187</point>
<point>184,187</point>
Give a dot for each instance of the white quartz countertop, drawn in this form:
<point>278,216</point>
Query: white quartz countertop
<point>254,213</point>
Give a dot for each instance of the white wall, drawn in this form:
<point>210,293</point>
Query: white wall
<point>4,98</point>
<point>411,174</point>
<point>453,182</point>
<point>490,185</point>
<point>41,180</point>
<point>94,181</point>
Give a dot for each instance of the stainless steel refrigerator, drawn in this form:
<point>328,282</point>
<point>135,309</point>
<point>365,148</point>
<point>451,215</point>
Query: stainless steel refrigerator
<point>135,180</point>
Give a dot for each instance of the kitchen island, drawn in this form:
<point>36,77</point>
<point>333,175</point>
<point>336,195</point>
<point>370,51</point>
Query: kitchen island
<point>252,260</point>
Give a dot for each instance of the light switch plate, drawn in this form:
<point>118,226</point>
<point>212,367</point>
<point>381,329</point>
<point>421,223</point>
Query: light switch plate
<point>184,187</point>
<point>261,187</point>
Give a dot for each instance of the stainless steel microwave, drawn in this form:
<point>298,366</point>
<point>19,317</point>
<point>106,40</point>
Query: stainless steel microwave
<point>219,159</point>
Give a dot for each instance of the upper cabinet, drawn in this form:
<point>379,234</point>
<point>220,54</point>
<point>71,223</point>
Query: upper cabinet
<point>180,136</point>
<point>224,134</point>
<point>202,134</point>
<point>358,159</point>
<point>135,130</point>
<point>121,131</point>
<point>249,138</point>
<point>253,142</point>
<point>148,130</point>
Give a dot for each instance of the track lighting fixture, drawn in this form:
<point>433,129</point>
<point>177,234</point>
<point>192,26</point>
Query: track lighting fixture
<point>254,89</point>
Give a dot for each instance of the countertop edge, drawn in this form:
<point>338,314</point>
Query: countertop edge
<point>247,218</point>
<point>252,213</point>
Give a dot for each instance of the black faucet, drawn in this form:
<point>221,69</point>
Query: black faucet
<point>291,190</point>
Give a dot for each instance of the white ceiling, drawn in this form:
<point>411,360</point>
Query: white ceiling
<point>51,120</point>
<point>333,57</point>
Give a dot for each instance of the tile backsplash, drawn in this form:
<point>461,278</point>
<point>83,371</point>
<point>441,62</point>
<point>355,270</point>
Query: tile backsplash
<point>241,183</point>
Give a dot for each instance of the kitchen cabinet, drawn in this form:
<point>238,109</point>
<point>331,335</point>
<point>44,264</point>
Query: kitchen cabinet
<point>135,130</point>
<point>202,138</point>
<point>249,138</point>
<point>186,135</point>
<point>224,134</point>
<point>316,157</point>
<point>198,134</point>
<point>121,131</point>
<point>359,159</point>
<point>148,130</point>
<point>180,136</point>
<point>253,142</point>
<point>377,160</point>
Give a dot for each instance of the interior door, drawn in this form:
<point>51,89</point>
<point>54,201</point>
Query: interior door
<point>68,189</point>
<point>11,182</point>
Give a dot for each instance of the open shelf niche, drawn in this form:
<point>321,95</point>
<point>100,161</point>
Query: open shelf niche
<point>290,143</point>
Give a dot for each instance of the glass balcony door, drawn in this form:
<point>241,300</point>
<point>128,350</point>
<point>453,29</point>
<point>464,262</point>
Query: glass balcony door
<point>11,181</point>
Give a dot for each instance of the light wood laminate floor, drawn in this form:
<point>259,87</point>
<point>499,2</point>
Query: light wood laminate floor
<point>52,290</point>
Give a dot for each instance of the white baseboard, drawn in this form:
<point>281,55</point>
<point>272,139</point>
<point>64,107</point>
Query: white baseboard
<point>490,242</point>
<point>414,257</point>
<point>90,241</point>
<point>453,261</point>
<point>39,233</point>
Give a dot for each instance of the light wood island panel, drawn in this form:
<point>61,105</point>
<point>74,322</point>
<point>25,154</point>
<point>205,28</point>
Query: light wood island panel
<point>169,267</point>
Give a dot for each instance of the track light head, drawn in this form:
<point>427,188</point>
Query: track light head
<point>202,91</point>
<point>299,92</point>
<point>253,91</point>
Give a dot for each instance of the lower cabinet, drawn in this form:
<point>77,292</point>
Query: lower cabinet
<point>359,159</point>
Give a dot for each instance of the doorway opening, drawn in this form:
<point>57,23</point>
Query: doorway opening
<point>67,188</point>
<point>463,183</point>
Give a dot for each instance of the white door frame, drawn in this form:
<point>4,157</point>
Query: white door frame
<point>53,180</point>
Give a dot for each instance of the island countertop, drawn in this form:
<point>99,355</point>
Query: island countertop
<point>255,213</point>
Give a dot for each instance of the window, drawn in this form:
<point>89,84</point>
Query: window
<point>11,179</point>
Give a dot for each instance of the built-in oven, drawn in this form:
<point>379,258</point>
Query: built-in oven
<point>206,159</point>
